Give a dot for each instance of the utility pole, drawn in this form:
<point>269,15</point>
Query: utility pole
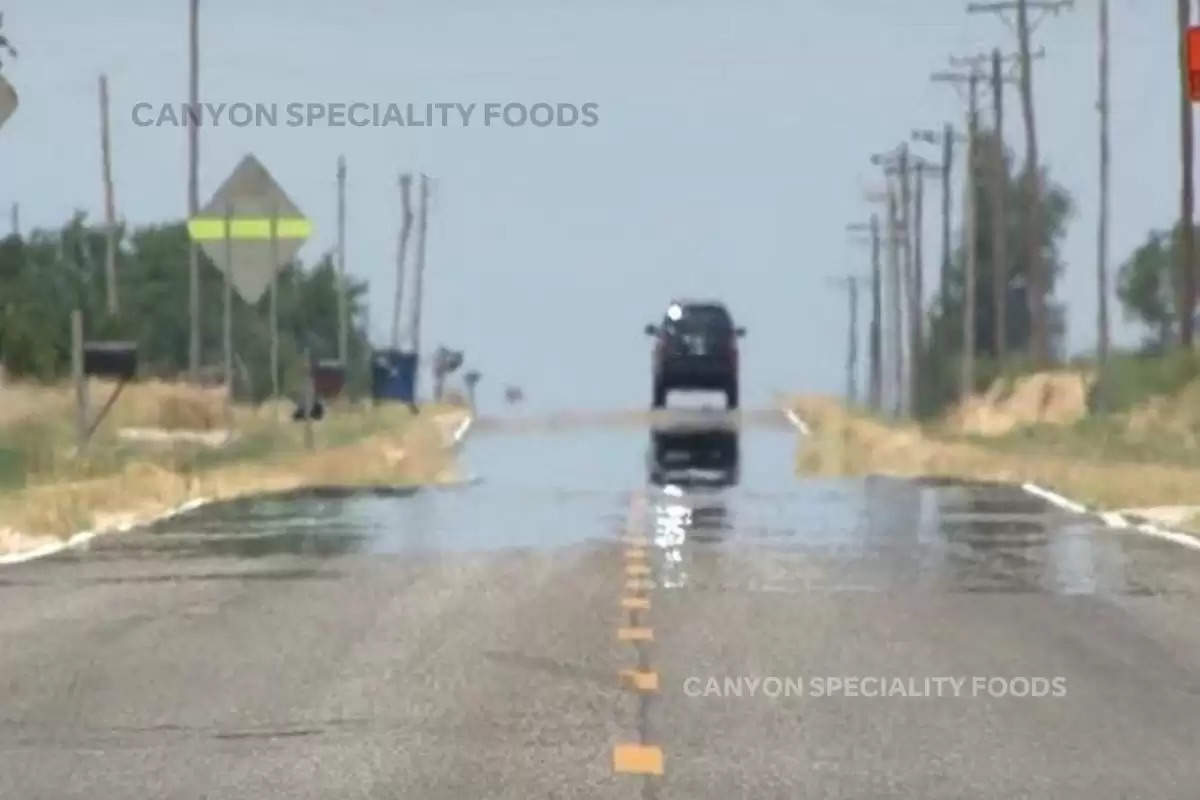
<point>850,284</point>
<point>275,306</point>
<point>1038,271</point>
<point>419,284</point>
<point>874,365</point>
<point>999,174</point>
<point>896,336</point>
<point>110,224</point>
<point>228,320</point>
<point>921,170</point>
<point>343,332</point>
<point>969,212</point>
<point>948,137</point>
<point>405,230</point>
<point>193,198</point>
<point>1186,279</point>
<point>997,188</point>
<point>896,165</point>
<point>912,312</point>
<point>1102,232</point>
<point>16,219</point>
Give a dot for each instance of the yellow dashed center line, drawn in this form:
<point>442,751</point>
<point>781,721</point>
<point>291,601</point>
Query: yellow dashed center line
<point>640,679</point>
<point>638,759</point>
<point>635,634</point>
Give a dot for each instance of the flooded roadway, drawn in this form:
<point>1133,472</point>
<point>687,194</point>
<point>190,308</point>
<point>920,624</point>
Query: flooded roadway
<point>467,641</point>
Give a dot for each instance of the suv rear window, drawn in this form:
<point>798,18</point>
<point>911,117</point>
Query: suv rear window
<point>698,318</point>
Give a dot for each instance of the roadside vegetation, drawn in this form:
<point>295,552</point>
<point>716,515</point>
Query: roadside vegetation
<point>46,274</point>
<point>166,444</point>
<point>167,439</point>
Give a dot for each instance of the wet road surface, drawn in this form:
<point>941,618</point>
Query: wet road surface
<point>470,642</point>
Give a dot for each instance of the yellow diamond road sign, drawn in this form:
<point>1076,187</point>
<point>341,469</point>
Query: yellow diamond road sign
<point>238,220</point>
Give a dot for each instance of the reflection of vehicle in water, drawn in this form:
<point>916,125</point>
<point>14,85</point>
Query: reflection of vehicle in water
<point>701,452</point>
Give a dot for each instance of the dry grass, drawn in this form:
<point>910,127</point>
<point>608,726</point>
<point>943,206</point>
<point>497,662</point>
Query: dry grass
<point>1045,398</point>
<point>848,444</point>
<point>115,479</point>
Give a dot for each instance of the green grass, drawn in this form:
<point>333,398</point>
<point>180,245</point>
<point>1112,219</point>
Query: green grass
<point>1099,437</point>
<point>1130,379</point>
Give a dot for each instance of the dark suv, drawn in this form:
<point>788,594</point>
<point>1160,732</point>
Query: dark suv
<point>696,348</point>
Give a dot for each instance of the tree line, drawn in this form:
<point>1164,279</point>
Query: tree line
<point>48,273</point>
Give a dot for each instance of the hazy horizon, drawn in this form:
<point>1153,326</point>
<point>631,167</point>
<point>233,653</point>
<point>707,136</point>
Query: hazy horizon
<point>730,150</point>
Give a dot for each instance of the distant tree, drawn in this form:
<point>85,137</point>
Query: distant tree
<point>1146,285</point>
<point>1057,207</point>
<point>5,44</point>
<point>49,273</point>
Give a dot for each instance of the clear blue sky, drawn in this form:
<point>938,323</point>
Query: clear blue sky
<point>731,150</point>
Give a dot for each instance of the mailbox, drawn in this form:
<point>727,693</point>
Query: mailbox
<point>116,360</point>
<point>329,378</point>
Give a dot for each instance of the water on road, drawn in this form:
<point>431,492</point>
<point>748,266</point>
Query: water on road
<point>467,641</point>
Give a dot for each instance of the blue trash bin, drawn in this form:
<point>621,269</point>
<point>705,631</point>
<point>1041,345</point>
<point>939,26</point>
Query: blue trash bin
<point>393,376</point>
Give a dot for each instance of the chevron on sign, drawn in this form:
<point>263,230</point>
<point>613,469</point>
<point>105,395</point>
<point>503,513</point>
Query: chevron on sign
<point>238,221</point>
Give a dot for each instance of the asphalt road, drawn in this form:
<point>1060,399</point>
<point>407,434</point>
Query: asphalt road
<point>467,643</point>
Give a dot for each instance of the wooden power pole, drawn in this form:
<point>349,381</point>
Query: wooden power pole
<point>1186,278</point>
<point>850,284</point>
<point>343,328</point>
<point>896,324</point>
<point>110,223</point>
<point>922,169</point>
<point>405,229</point>
<point>971,225</point>
<point>912,314</point>
<point>999,196</point>
<point>1038,277</point>
<point>874,348</point>
<point>948,137</point>
<point>1102,231</point>
<point>193,198</point>
<point>418,287</point>
<point>876,345</point>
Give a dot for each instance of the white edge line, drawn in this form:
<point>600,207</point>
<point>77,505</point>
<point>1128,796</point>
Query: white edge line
<point>1054,498</point>
<point>462,429</point>
<point>1185,539</point>
<point>1115,519</point>
<point>83,537</point>
<point>795,419</point>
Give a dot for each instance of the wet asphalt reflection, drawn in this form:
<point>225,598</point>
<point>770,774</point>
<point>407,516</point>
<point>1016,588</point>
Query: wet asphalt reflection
<point>552,489</point>
<point>531,633</point>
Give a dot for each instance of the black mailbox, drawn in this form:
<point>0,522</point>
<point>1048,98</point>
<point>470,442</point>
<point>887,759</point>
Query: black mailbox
<point>117,360</point>
<point>329,378</point>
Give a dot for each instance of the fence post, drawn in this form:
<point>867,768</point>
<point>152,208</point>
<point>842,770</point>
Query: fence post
<point>80,379</point>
